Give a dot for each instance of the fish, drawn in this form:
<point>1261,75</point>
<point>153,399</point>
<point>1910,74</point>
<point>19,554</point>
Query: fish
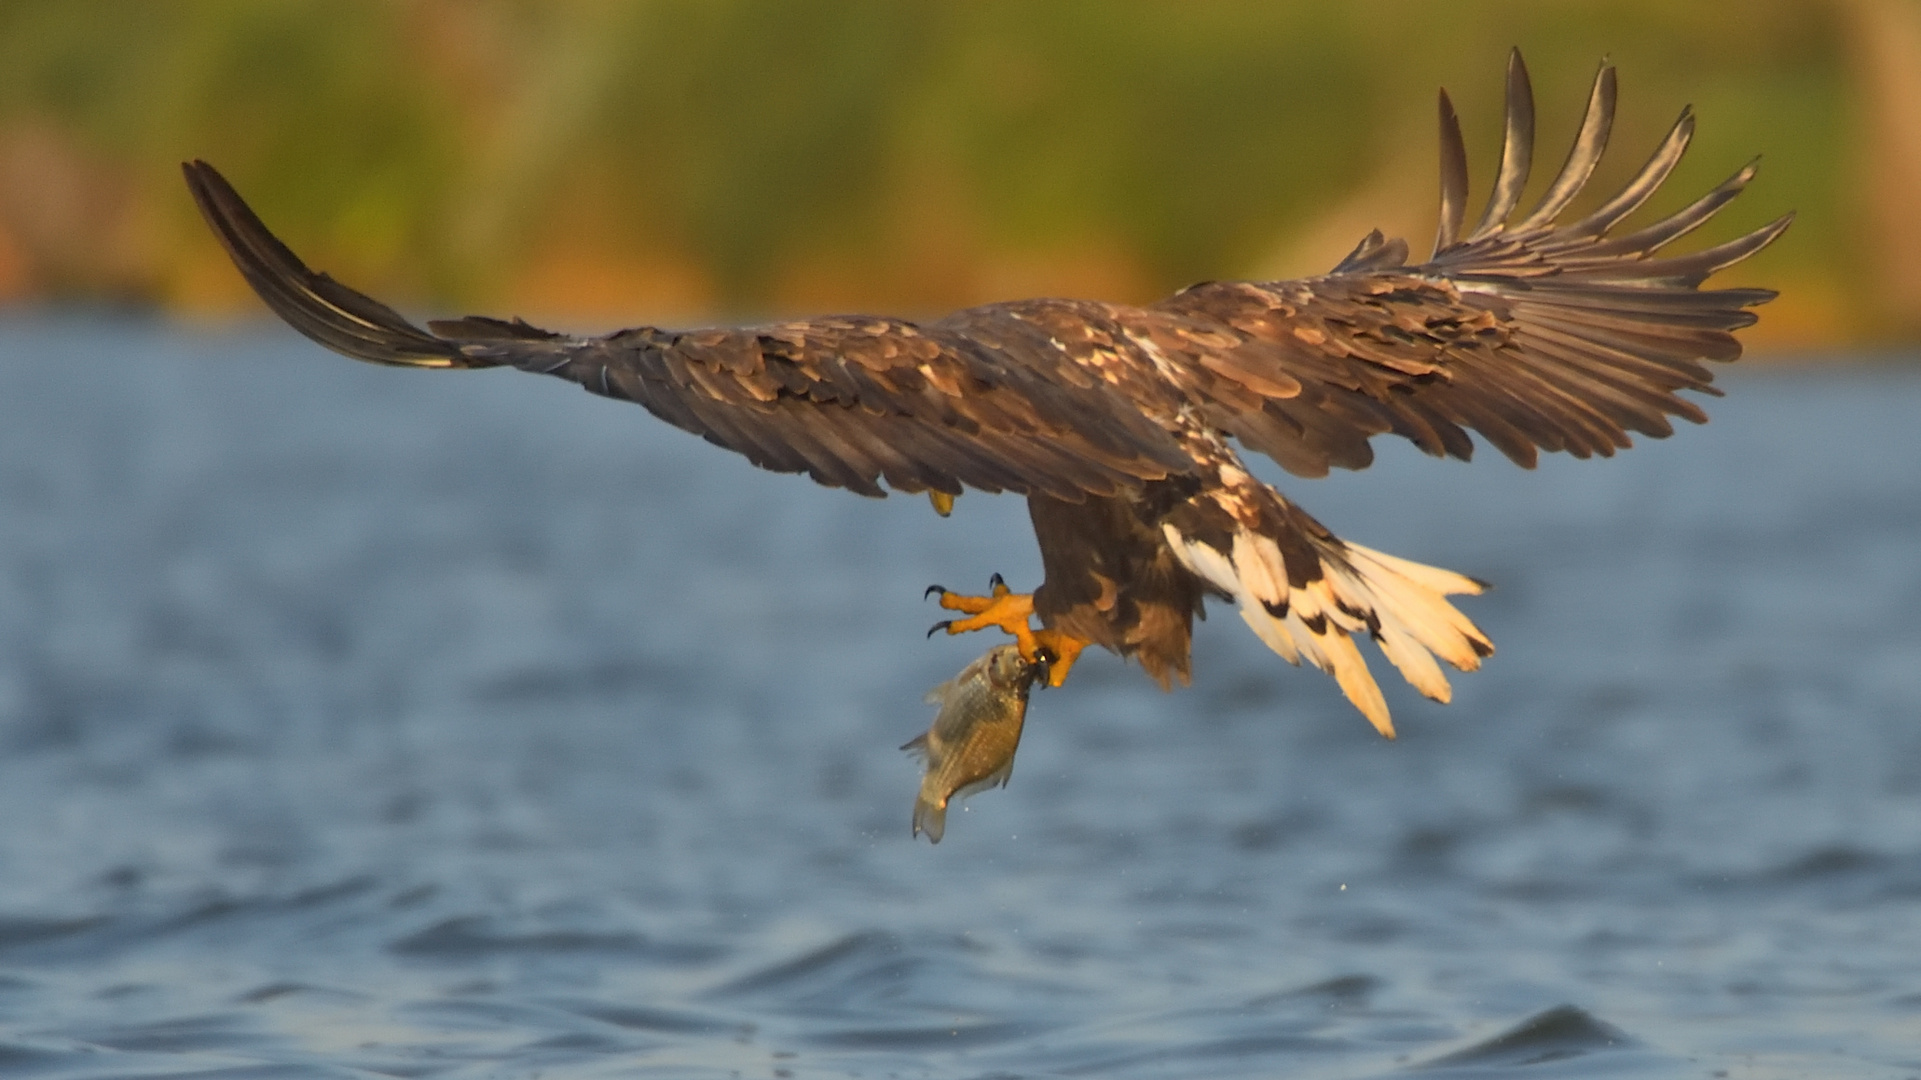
<point>971,744</point>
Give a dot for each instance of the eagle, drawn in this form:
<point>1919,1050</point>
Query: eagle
<point>1125,426</point>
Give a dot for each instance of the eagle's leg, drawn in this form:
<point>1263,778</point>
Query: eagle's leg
<point>1009,611</point>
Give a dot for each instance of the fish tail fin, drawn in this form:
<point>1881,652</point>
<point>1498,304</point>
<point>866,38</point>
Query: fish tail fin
<point>930,817</point>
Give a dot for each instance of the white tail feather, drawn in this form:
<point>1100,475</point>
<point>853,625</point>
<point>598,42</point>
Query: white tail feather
<point>1418,606</point>
<point>1258,563</point>
<point>1401,604</point>
<point>1442,581</point>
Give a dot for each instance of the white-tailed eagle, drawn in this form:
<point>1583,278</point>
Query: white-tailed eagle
<point>1124,426</point>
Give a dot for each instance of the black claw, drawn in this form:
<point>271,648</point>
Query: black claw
<point>939,626</point>
<point>932,589</point>
<point>996,582</point>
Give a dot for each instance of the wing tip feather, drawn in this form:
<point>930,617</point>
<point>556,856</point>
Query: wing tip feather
<point>329,313</point>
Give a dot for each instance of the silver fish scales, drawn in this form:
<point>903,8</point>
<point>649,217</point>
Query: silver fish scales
<point>971,744</point>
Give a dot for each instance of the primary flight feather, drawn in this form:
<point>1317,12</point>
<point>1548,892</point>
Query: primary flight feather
<point>1123,425</point>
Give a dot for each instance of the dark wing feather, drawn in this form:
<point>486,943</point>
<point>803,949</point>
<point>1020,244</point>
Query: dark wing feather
<point>1589,144</point>
<point>313,303</point>
<point>1453,177</point>
<point>995,398</point>
<point>1538,336</point>
<point>1517,152</point>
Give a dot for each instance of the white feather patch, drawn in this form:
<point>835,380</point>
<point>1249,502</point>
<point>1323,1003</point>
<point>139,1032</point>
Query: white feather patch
<point>1400,603</point>
<point>1257,562</point>
<point>1256,571</point>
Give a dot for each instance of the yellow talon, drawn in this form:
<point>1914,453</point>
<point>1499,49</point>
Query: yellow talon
<point>1009,611</point>
<point>943,502</point>
<point>1064,650</point>
<point>1005,609</point>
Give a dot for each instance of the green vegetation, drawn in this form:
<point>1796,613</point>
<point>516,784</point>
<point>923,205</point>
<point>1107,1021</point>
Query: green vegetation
<point>752,156</point>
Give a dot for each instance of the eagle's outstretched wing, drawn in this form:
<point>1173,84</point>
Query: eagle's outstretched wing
<point>1536,334</point>
<point>992,404</point>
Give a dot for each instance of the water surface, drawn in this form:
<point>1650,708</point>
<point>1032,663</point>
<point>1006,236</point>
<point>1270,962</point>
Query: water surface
<point>363,723</point>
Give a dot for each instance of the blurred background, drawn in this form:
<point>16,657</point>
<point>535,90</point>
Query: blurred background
<point>364,724</point>
<point>605,163</point>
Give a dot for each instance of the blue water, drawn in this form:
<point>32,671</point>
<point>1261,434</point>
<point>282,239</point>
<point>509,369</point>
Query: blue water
<point>363,723</point>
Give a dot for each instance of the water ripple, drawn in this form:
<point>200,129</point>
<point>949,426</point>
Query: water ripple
<point>1562,1033</point>
<point>468,937</point>
<point>360,725</point>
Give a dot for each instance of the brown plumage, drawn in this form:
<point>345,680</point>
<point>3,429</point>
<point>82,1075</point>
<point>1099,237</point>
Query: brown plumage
<point>1115,421</point>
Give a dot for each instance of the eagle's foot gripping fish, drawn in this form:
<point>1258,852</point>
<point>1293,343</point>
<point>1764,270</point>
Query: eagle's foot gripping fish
<point>971,744</point>
<point>1009,610</point>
